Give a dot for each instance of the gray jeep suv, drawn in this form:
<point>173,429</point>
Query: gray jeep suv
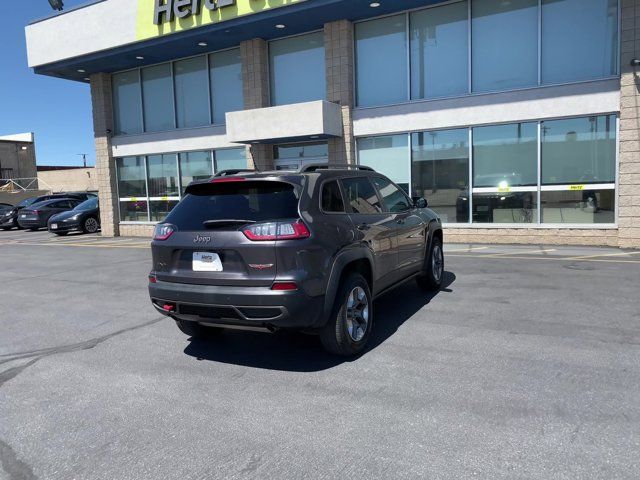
<point>306,250</point>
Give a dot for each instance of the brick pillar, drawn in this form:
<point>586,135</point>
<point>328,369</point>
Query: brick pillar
<point>629,181</point>
<point>255,78</point>
<point>339,61</point>
<point>105,163</point>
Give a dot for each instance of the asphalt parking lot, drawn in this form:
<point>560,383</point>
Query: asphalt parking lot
<point>526,365</point>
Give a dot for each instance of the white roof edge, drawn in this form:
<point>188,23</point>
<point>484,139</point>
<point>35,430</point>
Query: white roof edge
<point>18,137</point>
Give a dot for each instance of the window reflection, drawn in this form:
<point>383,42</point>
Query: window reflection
<point>440,172</point>
<point>387,155</point>
<point>578,207</point>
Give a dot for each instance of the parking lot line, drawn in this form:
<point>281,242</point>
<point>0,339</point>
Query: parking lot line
<point>469,249</point>
<point>80,244</point>
<point>552,258</point>
<point>582,257</point>
<point>526,252</point>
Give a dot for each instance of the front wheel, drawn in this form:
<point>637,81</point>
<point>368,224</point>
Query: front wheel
<point>431,278</point>
<point>90,225</point>
<point>349,327</point>
<point>195,330</point>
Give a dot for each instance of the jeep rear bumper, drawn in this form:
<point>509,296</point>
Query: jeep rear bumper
<point>237,306</point>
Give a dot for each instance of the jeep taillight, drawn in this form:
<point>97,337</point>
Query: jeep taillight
<point>163,231</point>
<point>290,230</point>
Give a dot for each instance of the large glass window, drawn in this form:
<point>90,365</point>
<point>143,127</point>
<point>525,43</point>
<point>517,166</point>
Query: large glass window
<point>440,172</point>
<point>132,189</point>
<point>298,69</point>
<point>381,61</point>
<point>505,44</point>
<point>157,96</point>
<point>127,103</point>
<point>388,155</point>
<point>505,155</point>
<point>578,170</point>
<point>505,173</point>
<point>231,159</point>
<point>439,51</point>
<point>164,194</point>
<point>579,39</point>
<point>192,96</point>
<point>194,166</point>
<point>579,150</point>
<point>225,69</point>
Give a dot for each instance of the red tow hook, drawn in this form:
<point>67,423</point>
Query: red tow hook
<point>167,307</point>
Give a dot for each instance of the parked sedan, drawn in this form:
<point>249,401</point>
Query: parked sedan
<point>83,218</point>
<point>9,218</point>
<point>37,215</point>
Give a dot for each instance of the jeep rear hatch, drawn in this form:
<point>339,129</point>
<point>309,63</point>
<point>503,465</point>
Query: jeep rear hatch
<point>225,232</point>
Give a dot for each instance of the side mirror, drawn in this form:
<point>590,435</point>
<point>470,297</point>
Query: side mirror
<point>420,202</point>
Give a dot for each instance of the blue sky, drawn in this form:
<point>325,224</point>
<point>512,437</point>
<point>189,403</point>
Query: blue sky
<point>58,111</point>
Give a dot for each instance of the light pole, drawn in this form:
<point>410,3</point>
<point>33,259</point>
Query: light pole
<point>84,158</point>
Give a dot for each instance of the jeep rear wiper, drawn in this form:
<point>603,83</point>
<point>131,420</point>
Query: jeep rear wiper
<point>225,223</point>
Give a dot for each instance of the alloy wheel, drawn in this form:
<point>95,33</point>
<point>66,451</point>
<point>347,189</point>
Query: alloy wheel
<point>437,262</point>
<point>91,224</point>
<point>357,312</point>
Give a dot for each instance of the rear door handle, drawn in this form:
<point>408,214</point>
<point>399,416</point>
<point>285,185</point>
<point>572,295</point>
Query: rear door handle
<point>363,226</point>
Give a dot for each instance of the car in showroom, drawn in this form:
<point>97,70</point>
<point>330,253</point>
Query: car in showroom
<point>307,250</point>
<point>83,218</point>
<point>36,216</point>
<point>9,218</point>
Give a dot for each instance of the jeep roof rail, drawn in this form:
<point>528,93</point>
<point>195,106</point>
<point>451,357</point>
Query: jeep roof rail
<point>234,171</point>
<point>333,166</point>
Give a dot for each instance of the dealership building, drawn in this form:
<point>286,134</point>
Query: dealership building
<point>517,120</point>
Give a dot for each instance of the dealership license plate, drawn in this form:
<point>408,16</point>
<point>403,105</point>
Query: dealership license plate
<point>206,262</point>
<point>54,226</point>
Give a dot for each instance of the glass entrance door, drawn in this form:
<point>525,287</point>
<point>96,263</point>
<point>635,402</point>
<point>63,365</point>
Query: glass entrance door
<point>296,156</point>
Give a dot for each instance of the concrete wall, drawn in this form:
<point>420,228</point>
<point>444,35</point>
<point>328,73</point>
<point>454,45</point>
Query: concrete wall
<point>76,180</point>
<point>102,102</point>
<point>629,176</point>
<point>22,162</point>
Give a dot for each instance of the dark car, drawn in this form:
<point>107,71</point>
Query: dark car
<point>37,215</point>
<point>306,250</point>
<point>9,218</point>
<point>83,218</point>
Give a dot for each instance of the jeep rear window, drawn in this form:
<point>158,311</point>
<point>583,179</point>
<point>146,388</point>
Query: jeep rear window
<point>256,201</point>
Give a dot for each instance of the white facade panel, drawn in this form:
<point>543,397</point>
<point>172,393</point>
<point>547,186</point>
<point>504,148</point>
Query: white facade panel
<point>97,27</point>
<point>517,106</point>
<point>193,139</point>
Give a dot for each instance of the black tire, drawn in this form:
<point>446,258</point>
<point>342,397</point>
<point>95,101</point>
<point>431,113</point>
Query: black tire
<point>195,330</point>
<point>349,328</point>
<point>431,278</point>
<point>34,229</point>
<point>61,234</point>
<point>90,225</point>
<point>7,228</point>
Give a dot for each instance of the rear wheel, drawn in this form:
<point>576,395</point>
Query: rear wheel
<point>195,330</point>
<point>431,278</point>
<point>349,327</point>
<point>90,225</point>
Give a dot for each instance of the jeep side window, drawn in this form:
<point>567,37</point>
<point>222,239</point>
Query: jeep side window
<point>331,200</point>
<point>392,197</point>
<point>361,195</point>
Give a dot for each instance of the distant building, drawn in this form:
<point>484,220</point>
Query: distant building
<point>17,156</point>
<point>67,179</point>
